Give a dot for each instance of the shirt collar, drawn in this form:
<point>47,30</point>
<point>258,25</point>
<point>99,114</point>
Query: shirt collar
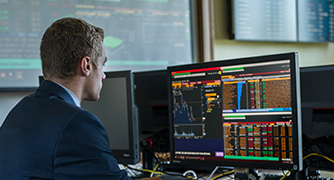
<point>74,97</point>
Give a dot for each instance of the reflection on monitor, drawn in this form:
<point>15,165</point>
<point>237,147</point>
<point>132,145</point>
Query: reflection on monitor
<point>118,113</point>
<point>241,113</point>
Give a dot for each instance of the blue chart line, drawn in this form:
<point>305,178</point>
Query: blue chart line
<point>185,125</point>
<point>183,133</point>
<point>189,130</point>
<point>182,112</point>
<point>239,91</point>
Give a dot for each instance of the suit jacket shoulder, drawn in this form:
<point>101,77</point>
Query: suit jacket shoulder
<point>46,136</point>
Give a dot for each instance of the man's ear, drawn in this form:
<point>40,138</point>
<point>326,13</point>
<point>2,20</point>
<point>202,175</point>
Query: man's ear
<point>85,66</point>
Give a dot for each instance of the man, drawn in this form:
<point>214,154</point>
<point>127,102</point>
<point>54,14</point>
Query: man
<point>47,135</point>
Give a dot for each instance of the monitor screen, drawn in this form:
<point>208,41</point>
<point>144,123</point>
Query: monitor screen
<point>118,113</point>
<point>152,101</point>
<point>317,100</point>
<point>264,20</point>
<point>139,35</point>
<point>318,115</point>
<point>283,20</point>
<point>241,113</point>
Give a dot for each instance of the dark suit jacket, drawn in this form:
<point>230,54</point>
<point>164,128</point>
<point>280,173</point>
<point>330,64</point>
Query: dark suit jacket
<point>45,136</point>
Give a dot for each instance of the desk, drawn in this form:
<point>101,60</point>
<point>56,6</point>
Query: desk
<point>323,174</point>
<point>266,172</point>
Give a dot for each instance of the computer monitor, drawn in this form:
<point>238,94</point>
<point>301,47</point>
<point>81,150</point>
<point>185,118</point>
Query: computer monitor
<point>152,101</point>
<point>317,102</point>
<point>141,36</point>
<point>117,110</point>
<point>241,113</point>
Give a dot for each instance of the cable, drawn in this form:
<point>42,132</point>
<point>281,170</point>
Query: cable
<point>162,156</point>
<point>190,172</point>
<point>156,166</point>
<point>131,172</point>
<point>229,172</point>
<point>312,154</point>
<point>316,154</point>
<point>285,175</point>
<point>225,173</point>
<point>145,170</point>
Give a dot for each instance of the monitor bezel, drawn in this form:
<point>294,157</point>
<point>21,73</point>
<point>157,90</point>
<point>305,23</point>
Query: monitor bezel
<point>133,150</point>
<point>296,105</point>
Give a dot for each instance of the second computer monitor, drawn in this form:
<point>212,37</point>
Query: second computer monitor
<point>241,112</point>
<point>117,110</point>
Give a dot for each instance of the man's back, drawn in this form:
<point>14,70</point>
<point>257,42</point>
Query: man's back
<point>47,137</point>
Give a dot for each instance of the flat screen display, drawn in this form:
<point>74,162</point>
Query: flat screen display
<point>315,21</point>
<point>265,20</point>
<point>317,100</point>
<point>284,20</point>
<point>241,112</point>
<point>118,113</point>
<point>139,35</point>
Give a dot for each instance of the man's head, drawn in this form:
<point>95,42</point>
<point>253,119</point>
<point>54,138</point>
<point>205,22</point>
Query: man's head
<point>72,48</point>
<point>65,43</point>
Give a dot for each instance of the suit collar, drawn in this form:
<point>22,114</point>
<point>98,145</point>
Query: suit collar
<point>55,89</point>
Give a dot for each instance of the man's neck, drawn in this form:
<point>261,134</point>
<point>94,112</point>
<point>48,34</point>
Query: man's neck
<point>74,85</point>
